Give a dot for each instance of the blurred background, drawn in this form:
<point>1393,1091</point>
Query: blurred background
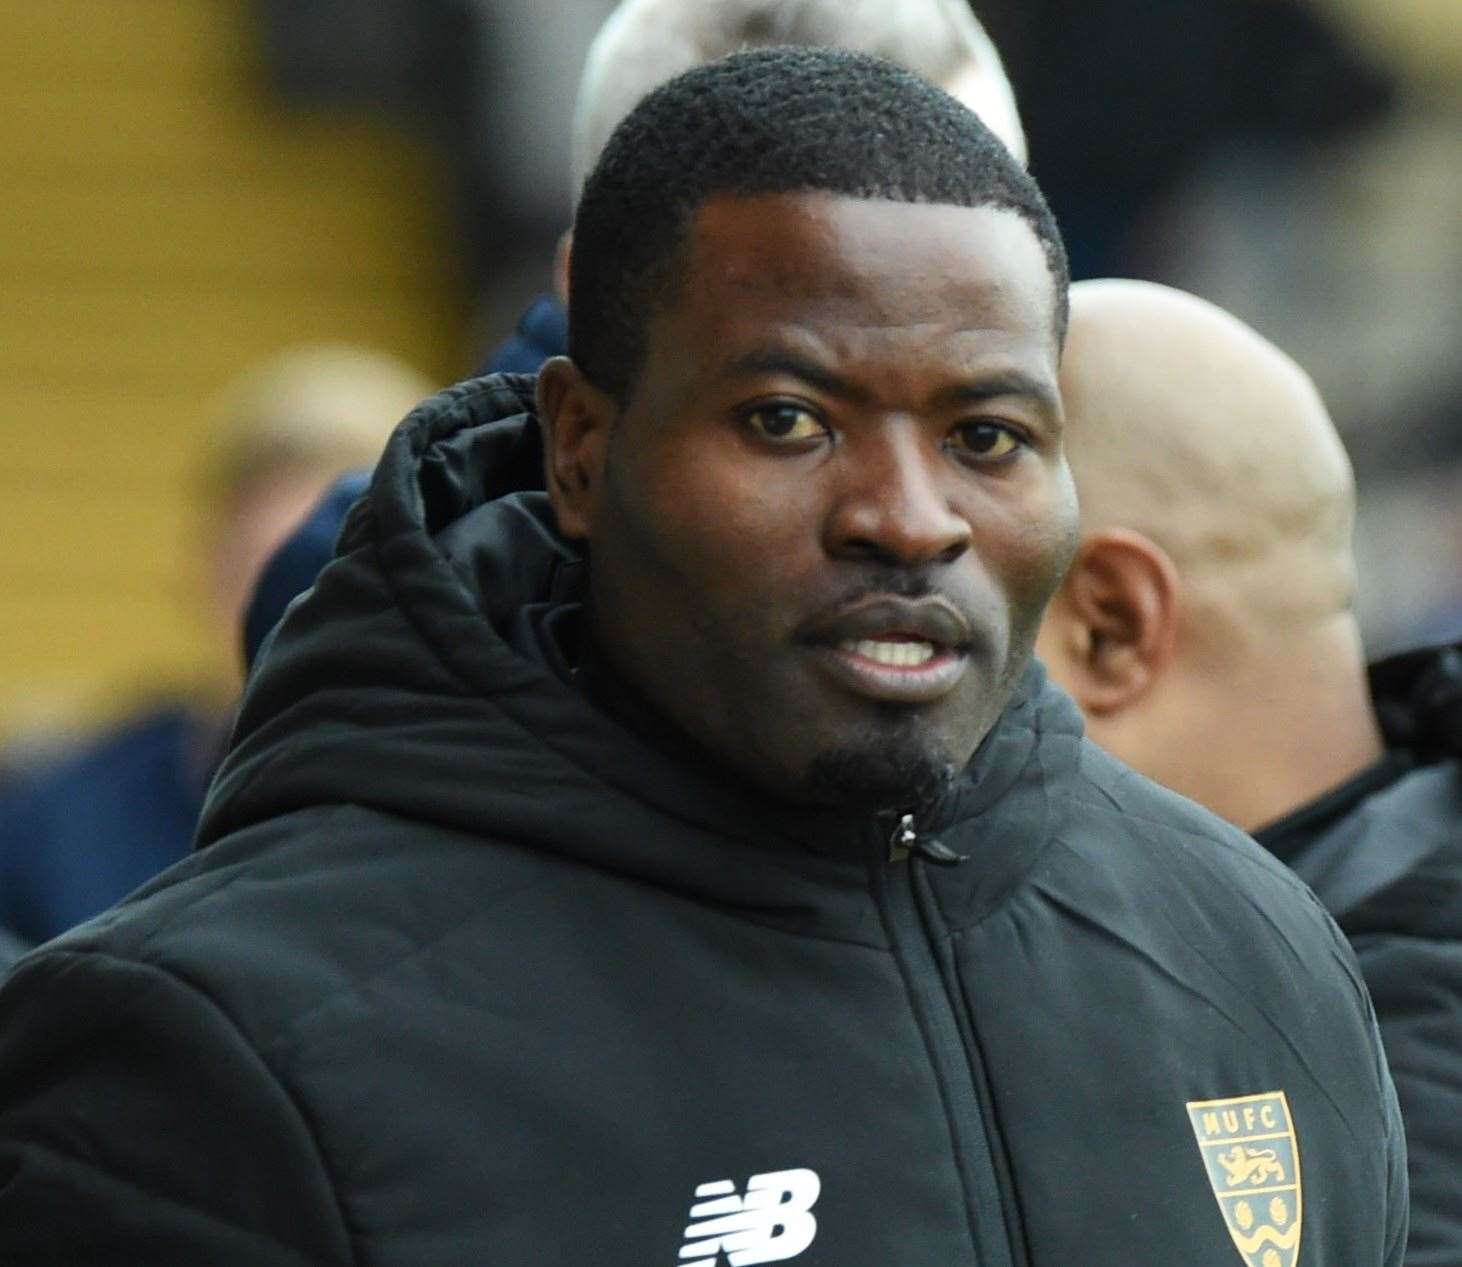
<point>195,187</point>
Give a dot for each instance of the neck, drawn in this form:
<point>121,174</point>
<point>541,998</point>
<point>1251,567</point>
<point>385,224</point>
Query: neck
<point>1271,734</point>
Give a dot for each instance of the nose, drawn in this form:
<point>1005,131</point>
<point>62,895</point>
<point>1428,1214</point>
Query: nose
<point>893,503</point>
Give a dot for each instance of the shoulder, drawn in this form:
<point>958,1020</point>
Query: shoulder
<point>238,997</point>
<point>1106,816</point>
<point>1181,882</point>
<point>1110,810</point>
<point>274,922</point>
<point>118,1082</point>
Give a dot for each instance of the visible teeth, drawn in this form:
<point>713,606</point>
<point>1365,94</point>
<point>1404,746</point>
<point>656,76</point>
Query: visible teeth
<point>899,655</point>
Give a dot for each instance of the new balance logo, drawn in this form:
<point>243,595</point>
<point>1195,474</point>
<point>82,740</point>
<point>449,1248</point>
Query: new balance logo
<point>770,1224</point>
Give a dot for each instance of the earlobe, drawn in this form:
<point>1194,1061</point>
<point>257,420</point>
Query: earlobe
<point>1119,619</point>
<point>576,418</point>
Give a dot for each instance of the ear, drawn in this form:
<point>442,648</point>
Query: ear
<point>561,257</point>
<point>577,419</point>
<point>1113,626</point>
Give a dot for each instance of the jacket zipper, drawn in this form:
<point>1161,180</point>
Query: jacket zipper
<point>910,919</point>
<point>905,840</point>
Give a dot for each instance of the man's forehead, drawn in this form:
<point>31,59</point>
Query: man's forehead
<point>899,301</point>
<point>903,259</point>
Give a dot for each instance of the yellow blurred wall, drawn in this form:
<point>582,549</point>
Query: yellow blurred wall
<point>1421,39</point>
<point>162,225</point>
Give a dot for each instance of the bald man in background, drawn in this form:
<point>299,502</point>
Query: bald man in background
<point>1207,631</point>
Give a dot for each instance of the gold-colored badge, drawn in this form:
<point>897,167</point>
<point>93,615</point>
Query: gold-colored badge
<point>1253,1161</point>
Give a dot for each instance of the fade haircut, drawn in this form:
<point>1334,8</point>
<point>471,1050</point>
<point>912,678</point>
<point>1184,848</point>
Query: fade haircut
<point>772,121</point>
<point>646,42</point>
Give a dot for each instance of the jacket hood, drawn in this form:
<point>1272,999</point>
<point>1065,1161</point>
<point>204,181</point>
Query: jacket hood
<point>416,678</point>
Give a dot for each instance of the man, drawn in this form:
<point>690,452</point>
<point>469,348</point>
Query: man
<point>687,863</point>
<point>646,42</point>
<point>1206,629</point>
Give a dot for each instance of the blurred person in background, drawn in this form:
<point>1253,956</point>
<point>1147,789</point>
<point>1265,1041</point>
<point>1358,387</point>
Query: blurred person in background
<point>83,828</point>
<point>1206,629</point>
<point>293,567</point>
<point>642,45</point>
<point>647,42</point>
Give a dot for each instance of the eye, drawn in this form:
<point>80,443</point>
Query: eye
<point>987,441</point>
<point>785,421</point>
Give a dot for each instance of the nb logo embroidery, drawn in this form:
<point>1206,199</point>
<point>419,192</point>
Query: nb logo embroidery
<point>770,1224</point>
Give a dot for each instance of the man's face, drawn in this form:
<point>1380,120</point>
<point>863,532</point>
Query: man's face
<point>825,525</point>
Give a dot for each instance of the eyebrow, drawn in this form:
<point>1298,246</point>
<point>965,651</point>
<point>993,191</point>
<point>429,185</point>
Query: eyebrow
<point>1008,382</point>
<point>1005,383</point>
<point>781,361</point>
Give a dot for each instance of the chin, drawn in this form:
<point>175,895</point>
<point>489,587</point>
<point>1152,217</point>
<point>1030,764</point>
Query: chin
<point>893,775</point>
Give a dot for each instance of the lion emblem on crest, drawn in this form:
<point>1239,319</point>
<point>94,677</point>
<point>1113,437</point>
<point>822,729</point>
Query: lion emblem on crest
<point>1251,1166</point>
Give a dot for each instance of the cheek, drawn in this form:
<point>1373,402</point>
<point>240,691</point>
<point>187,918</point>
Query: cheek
<point>689,546</point>
<point>1037,542</point>
<point>725,525</point>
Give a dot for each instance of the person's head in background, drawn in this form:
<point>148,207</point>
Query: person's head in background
<point>645,43</point>
<point>280,434</point>
<point>1206,627</point>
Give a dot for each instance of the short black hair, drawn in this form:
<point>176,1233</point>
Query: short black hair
<point>769,121</point>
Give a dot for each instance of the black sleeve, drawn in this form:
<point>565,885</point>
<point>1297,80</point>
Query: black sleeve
<point>138,1126</point>
<point>1416,986</point>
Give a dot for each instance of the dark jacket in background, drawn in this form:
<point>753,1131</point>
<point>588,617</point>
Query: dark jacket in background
<point>468,972</point>
<point>542,332</point>
<point>1384,854</point>
<point>82,829</point>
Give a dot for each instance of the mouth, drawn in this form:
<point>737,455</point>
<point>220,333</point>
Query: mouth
<point>894,650</point>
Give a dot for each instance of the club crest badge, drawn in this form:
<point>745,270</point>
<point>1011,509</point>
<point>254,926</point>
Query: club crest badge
<point>1253,1161</point>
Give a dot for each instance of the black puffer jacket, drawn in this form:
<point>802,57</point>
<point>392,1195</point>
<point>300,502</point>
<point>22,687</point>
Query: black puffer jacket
<point>1384,853</point>
<point>469,973</point>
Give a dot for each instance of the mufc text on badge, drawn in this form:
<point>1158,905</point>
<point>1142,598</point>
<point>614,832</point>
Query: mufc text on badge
<point>1252,1157</point>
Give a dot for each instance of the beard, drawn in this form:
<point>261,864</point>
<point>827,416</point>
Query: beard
<point>897,774</point>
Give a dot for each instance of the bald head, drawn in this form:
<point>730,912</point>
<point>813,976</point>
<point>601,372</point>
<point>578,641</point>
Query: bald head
<point>1187,426</point>
<point>1205,627</point>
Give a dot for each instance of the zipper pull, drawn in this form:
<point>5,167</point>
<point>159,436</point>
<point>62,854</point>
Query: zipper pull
<point>937,851</point>
<point>903,839</point>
